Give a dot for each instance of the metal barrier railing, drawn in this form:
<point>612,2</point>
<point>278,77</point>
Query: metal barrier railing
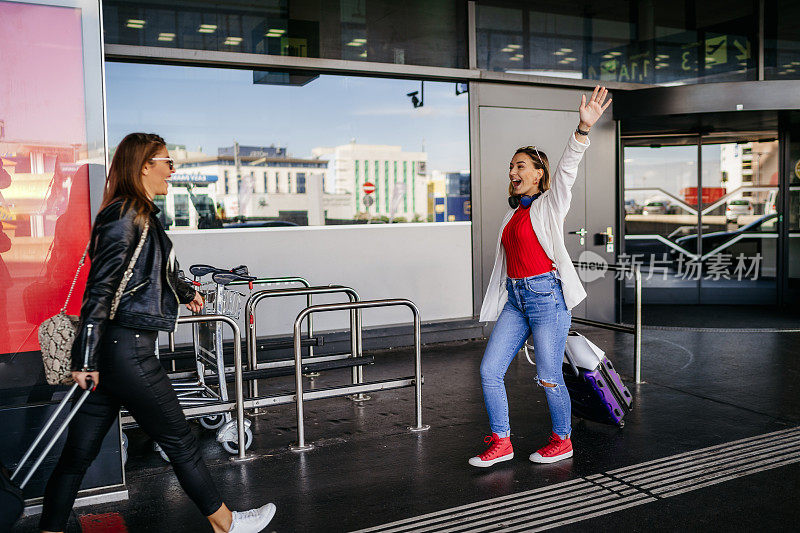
<point>285,279</point>
<point>251,337</point>
<point>363,387</point>
<point>636,329</point>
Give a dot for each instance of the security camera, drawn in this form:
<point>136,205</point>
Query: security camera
<point>414,99</point>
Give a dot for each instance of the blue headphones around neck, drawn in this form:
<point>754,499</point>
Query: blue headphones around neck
<point>525,201</point>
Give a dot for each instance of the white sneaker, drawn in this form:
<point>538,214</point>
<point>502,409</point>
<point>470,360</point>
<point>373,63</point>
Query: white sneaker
<point>252,521</point>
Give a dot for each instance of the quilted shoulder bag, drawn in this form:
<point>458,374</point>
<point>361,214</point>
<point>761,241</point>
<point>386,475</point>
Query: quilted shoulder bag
<point>57,333</point>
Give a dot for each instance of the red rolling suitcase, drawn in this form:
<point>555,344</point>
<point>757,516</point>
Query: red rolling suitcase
<point>11,500</point>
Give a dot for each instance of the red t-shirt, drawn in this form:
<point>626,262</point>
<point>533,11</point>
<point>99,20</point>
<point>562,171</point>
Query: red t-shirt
<point>525,257</point>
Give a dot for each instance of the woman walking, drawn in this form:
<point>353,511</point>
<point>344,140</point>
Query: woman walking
<point>533,288</point>
<point>115,347</point>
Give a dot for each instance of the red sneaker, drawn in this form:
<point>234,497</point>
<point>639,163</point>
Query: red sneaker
<point>499,450</point>
<point>556,450</point>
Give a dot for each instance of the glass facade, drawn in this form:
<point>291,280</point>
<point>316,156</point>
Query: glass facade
<point>782,40</point>
<point>415,32</point>
<point>652,42</point>
<point>373,129</point>
<point>51,150</point>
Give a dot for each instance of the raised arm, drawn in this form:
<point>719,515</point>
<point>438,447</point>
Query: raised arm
<point>567,169</point>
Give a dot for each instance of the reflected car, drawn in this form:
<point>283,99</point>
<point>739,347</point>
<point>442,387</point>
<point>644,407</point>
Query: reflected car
<point>261,224</point>
<point>764,224</point>
<point>656,207</point>
<point>736,208</point>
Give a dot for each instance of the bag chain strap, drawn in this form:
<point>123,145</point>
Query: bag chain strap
<point>128,272</point>
<point>75,279</point>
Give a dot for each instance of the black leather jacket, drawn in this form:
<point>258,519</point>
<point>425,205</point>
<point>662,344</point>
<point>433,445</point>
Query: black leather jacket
<point>153,293</point>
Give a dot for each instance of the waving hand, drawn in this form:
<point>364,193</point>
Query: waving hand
<point>592,110</point>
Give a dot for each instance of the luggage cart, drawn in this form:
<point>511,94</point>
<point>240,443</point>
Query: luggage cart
<point>208,350</point>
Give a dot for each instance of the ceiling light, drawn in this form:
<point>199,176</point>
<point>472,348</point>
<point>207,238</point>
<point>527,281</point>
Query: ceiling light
<point>166,36</point>
<point>233,41</point>
<point>273,35</point>
<point>519,55</point>
<point>790,70</point>
<point>363,54</point>
<point>567,50</point>
<point>353,43</point>
<point>362,41</point>
<point>570,59</point>
<point>616,53</point>
<point>207,28</point>
<point>515,46</point>
<point>135,23</point>
<point>507,49</point>
<point>276,30</point>
<point>607,56</point>
<point>515,58</point>
<point>559,53</point>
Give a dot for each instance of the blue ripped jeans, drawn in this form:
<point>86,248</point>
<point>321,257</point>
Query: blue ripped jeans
<point>535,307</point>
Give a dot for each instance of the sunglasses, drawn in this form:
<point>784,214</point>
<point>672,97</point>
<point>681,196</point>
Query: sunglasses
<point>534,149</point>
<point>169,160</point>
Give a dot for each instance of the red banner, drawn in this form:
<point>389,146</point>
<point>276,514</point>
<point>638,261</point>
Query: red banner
<point>44,181</point>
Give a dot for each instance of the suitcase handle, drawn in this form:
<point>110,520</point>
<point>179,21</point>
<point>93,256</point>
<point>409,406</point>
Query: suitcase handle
<point>572,363</point>
<point>43,432</point>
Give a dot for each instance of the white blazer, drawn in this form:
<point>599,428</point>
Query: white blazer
<point>547,218</point>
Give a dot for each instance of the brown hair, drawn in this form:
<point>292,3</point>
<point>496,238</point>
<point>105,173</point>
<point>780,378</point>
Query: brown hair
<point>125,175</point>
<point>539,159</point>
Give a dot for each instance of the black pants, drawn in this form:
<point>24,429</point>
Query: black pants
<point>130,375</point>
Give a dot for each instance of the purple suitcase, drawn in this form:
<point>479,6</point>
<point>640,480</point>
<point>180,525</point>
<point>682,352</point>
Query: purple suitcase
<point>597,394</point>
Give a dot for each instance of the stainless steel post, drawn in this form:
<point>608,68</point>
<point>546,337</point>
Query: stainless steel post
<point>353,345</point>
<point>250,346</point>
<point>298,381</point>
<point>237,364</point>
<point>417,370</point>
<point>309,303</point>
<point>637,335</point>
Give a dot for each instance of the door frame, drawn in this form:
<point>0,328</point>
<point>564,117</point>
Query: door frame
<point>781,276</point>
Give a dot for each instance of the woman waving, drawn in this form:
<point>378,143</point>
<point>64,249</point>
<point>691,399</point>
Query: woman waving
<point>533,287</point>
